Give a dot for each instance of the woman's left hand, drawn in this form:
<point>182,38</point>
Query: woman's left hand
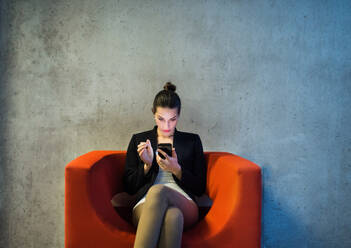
<point>169,163</point>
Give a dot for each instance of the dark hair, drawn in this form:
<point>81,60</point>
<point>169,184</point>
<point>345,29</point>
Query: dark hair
<point>167,98</point>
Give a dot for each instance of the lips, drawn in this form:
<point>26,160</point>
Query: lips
<point>166,130</point>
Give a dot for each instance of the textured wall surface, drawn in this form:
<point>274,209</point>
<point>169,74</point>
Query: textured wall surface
<point>267,80</point>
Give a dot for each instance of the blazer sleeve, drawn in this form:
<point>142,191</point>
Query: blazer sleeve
<point>195,180</point>
<point>133,177</point>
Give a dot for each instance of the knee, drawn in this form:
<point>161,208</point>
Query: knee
<point>174,217</point>
<point>156,193</point>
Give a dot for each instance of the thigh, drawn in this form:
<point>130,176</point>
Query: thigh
<point>188,207</point>
<point>136,213</point>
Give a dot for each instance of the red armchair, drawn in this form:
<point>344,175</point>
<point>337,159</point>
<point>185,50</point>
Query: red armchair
<point>233,220</point>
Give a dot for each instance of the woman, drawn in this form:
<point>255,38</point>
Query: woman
<point>164,189</point>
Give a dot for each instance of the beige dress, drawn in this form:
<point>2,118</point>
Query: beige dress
<point>166,178</point>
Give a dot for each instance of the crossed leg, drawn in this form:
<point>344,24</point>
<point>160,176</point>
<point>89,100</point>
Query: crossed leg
<point>161,219</point>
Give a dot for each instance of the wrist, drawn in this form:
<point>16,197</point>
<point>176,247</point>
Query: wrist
<point>146,165</point>
<point>146,168</point>
<point>178,172</point>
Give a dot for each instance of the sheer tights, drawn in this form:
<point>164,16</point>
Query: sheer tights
<point>161,219</point>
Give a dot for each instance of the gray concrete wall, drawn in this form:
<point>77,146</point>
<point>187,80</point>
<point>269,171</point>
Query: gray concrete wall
<point>267,80</point>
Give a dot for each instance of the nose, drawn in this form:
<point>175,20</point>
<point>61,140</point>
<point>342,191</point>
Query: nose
<point>167,126</point>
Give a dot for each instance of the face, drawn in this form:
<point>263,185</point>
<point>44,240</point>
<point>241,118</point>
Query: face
<point>166,120</point>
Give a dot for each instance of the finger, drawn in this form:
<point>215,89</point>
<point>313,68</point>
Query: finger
<point>174,154</point>
<point>163,153</point>
<point>159,159</point>
<point>141,152</point>
<point>160,164</point>
<point>141,144</point>
<point>148,144</point>
<point>140,148</point>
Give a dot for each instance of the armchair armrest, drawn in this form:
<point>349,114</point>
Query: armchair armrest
<point>90,219</point>
<point>234,185</point>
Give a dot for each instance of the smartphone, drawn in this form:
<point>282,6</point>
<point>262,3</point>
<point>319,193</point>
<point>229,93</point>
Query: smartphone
<point>166,147</point>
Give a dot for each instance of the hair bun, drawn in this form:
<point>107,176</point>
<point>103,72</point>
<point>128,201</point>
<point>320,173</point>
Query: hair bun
<point>169,86</point>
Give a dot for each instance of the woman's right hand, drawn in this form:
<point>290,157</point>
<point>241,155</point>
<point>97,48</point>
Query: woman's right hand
<point>146,152</point>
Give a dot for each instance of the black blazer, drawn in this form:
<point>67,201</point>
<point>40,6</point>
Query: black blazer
<point>190,155</point>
